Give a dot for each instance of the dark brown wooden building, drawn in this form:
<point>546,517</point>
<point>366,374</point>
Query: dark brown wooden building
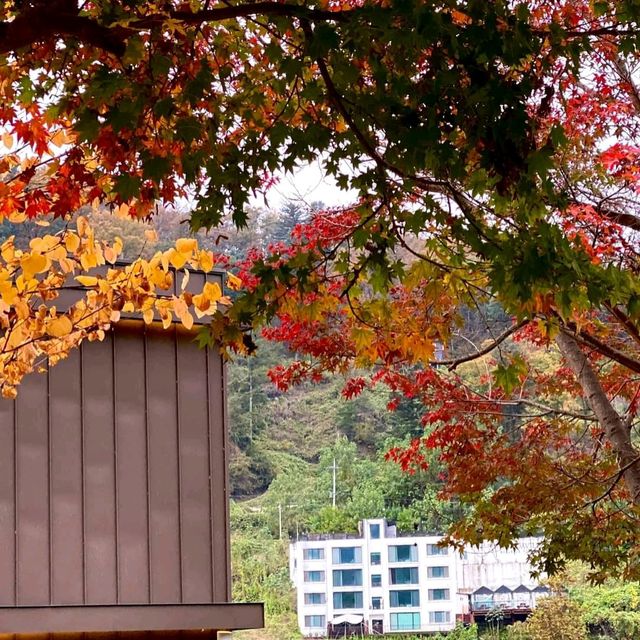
<point>113,492</point>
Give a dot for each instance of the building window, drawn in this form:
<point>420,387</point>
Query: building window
<point>437,572</point>
<point>435,550</point>
<point>347,600</point>
<point>313,554</point>
<point>314,576</point>
<point>347,577</point>
<point>404,575</point>
<point>376,580</point>
<point>438,594</point>
<point>347,555</point>
<point>375,558</point>
<point>314,621</point>
<point>403,553</point>
<point>314,598</point>
<point>439,617</point>
<point>374,531</point>
<point>407,598</point>
<point>405,621</point>
<point>376,603</point>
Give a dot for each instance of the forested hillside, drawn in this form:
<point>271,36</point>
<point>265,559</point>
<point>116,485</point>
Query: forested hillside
<point>284,444</point>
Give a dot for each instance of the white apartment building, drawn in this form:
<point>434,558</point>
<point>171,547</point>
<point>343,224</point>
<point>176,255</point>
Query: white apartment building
<point>391,582</point>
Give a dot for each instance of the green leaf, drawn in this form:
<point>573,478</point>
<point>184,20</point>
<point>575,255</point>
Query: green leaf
<point>188,129</point>
<point>155,168</point>
<point>509,377</point>
<point>127,186</point>
<point>134,51</point>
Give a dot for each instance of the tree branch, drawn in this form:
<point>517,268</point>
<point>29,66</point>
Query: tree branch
<point>41,23</point>
<point>610,352</point>
<point>453,363</point>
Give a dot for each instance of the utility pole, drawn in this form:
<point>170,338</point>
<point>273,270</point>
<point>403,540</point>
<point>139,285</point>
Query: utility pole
<point>333,491</point>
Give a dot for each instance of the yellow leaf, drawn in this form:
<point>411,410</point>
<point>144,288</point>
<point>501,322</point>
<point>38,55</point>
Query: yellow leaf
<point>59,327</point>
<point>17,217</point>
<point>151,235</point>
<point>7,140</point>
<point>71,242</point>
<point>82,225</point>
<point>110,254</point>
<point>147,316</point>
<point>185,280</point>
<point>33,263</point>
<point>206,260</point>
<point>186,245</point>
<point>233,282</point>
<point>212,291</point>
<point>187,320</point>
<point>43,244</point>
<point>166,319</point>
<point>177,259</point>
<point>66,265</point>
<point>201,303</point>
<point>87,281</point>
<point>59,138</point>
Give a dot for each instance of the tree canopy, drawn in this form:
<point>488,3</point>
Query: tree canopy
<point>493,148</point>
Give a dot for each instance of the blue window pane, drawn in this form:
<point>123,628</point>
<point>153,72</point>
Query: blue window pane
<point>347,577</point>
<point>405,598</point>
<point>405,621</point>
<point>403,553</point>
<point>347,555</point>
<point>314,621</point>
<point>314,598</point>
<point>347,600</point>
<point>438,572</point>
<point>408,575</point>
<point>314,576</point>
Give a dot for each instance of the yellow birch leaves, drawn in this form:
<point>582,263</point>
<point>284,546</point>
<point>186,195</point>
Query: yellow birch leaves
<point>38,325</point>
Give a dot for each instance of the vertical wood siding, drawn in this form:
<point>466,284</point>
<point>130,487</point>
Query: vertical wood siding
<point>113,476</point>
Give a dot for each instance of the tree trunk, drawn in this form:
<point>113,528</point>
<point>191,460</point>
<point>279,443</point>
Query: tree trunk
<point>617,432</point>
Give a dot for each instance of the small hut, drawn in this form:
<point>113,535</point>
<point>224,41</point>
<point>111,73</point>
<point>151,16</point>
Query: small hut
<point>522,597</point>
<point>482,599</point>
<point>113,492</point>
<point>503,597</point>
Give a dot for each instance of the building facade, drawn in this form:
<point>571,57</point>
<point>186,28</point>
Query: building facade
<point>381,581</point>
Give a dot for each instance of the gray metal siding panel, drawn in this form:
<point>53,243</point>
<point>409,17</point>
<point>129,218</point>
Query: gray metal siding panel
<point>219,481</point>
<point>7,505</point>
<point>65,409</point>
<point>32,495</point>
<point>164,486</point>
<point>131,468</point>
<point>100,551</point>
<point>194,464</point>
